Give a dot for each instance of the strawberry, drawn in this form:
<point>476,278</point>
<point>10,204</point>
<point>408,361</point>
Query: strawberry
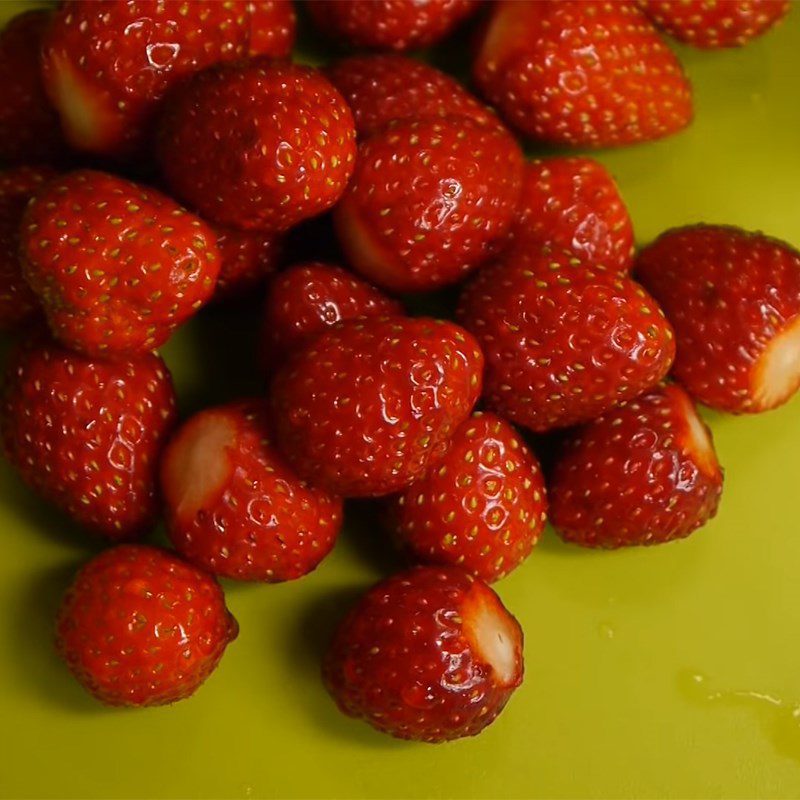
<point>713,24</point>
<point>734,300</point>
<point>29,129</point>
<point>389,24</point>
<point>430,201</point>
<point>140,627</point>
<point>643,473</point>
<point>87,434</point>
<point>482,507</point>
<point>384,88</point>
<point>247,258</point>
<point>573,204</point>
<point>233,505</point>
<point>308,298</point>
<point>429,654</point>
<point>108,65</point>
<point>17,186</point>
<point>116,266</point>
<point>564,341</point>
<point>364,408</point>
<point>258,145</point>
<point>581,72</point>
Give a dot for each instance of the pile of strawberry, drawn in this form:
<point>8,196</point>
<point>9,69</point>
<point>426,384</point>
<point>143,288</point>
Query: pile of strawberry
<point>426,187</point>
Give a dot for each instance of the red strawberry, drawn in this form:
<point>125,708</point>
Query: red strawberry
<point>17,186</point>
<point>482,507</point>
<point>384,88</point>
<point>307,299</point>
<point>366,406</point>
<point>117,266</point>
<point>582,72</point>
<point>247,258</point>
<point>233,505</point>
<point>389,24</point>
<point>258,145</point>
<point>429,654</point>
<point>140,627</point>
<point>29,129</point>
<point>429,201</point>
<point>712,24</point>
<point>564,341</point>
<point>734,300</point>
<point>107,65</point>
<point>573,204</point>
<point>87,434</point>
<point>644,473</point>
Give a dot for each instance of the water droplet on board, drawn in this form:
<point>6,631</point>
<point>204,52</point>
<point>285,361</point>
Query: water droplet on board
<point>606,630</point>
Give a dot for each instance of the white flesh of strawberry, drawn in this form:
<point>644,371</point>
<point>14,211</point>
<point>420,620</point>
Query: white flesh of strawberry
<point>777,374</point>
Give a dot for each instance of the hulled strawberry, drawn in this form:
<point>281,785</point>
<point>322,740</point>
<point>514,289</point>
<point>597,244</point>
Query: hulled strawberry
<point>481,507</point>
<point>368,405</point>
<point>643,473</point>
<point>87,434</point>
<point>428,654</point>
<point>581,72</point>
<point>564,341</point>
<point>247,259</point>
<point>258,144</point>
<point>116,266</point>
<point>140,627</point>
<point>108,65</point>
<point>733,298</point>
<point>429,201</point>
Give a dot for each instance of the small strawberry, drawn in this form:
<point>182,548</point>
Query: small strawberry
<point>482,507</point>
<point>364,408</point>
<point>258,145</point>
<point>430,201</point>
<point>429,654</point>
<point>389,24</point>
<point>140,627</point>
<point>233,505</point>
<point>247,259</point>
<point>116,266</point>
<point>108,65</point>
<point>643,473</point>
<point>573,204</point>
<point>581,72</point>
<point>564,341</point>
<point>733,298</point>
<point>384,88</point>
<point>87,435</point>
<point>715,23</point>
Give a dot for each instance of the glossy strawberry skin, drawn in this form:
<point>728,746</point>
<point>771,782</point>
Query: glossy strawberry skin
<point>729,294</point>
<point>635,475</point>
<point>482,507</point>
<point>430,201</point>
<point>257,521</point>
<point>572,203</point>
<point>404,661</point>
<point>258,145</point>
<point>87,435</point>
<point>564,341</point>
<point>591,73</point>
<point>247,259</point>
<point>108,65</point>
<point>365,407</point>
<point>116,266</point>
<point>140,627</point>
<point>732,23</point>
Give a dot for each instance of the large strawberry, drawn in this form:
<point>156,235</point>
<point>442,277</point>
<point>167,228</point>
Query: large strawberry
<point>368,405</point>
<point>581,72</point>
<point>430,200</point>
<point>87,435</point>
<point>108,65</point>
<point>644,473</point>
<point>564,341</point>
<point>733,298</point>
<point>247,258</point>
<point>258,144</point>
<point>116,266</point>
